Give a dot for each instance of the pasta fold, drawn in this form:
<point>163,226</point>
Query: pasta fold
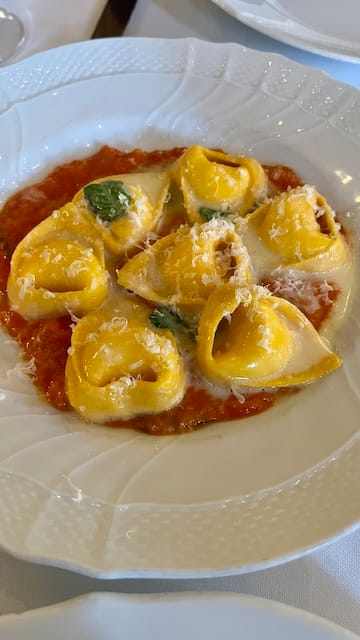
<point>120,366</point>
<point>250,338</point>
<point>58,268</point>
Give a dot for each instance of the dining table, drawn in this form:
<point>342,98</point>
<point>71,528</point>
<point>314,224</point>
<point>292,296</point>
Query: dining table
<point>324,581</point>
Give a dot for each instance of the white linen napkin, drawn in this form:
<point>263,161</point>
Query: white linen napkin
<point>50,24</point>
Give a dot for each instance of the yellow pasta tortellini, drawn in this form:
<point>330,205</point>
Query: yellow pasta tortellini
<point>214,182</point>
<point>299,227</point>
<point>120,366</point>
<point>161,272</point>
<point>184,267</point>
<point>141,196</point>
<point>58,268</point>
<point>248,337</point>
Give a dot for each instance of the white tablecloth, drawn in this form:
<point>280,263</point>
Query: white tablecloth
<point>325,582</point>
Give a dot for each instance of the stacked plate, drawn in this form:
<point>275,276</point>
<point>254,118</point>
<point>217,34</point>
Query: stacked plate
<point>102,616</point>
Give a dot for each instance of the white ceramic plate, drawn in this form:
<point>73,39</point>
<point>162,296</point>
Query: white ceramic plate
<point>231,497</point>
<point>106,616</point>
<point>326,27</point>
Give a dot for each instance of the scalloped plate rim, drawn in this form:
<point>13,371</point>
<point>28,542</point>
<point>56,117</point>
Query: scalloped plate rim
<point>111,607</point>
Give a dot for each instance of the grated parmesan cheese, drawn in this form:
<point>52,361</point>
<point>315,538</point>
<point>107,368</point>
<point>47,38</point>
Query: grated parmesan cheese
<point>153,343</point>
<point>75,319</point>
<point>76,267</point>
<point>22,369</point>
<point>25,283</point>
<point>264,341</point>
<point>118,323</point>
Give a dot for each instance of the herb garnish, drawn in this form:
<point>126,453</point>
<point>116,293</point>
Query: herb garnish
<point>163,318</point>
<point>208,213</point>
<point>109,199</point>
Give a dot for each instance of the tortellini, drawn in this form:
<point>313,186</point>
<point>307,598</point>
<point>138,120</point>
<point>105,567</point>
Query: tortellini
<point>161,272</point>
<point>120,366</point>
<point>214,181</point>
<point>147,194</point>
<point>184,267</point>
<point>298,226</point>
<point>249,338</point>
<point>58,268</point>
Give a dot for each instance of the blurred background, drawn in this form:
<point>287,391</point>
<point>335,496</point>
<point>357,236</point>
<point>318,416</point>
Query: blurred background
<point>114,18</point>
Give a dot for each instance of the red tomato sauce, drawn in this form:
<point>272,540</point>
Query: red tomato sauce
<point>198,408</point>
<point>282,177</point>
<point>45,343</point>
<point>315,298</point>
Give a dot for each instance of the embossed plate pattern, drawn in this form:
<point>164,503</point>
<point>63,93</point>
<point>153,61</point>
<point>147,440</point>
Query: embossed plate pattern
<point>230,497</point>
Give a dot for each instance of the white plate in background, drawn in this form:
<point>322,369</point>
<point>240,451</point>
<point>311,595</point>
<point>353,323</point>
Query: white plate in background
<point>326,27</point>
<point>109,616</point>
<point>230,497</point>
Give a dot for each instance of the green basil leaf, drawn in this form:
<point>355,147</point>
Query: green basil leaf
<point>164,318</point>
<point>109,200</point>
<point>207,213</point>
